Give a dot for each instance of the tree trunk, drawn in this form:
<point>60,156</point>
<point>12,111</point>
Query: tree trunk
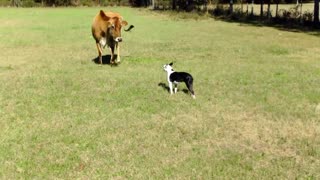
<point>269,13</point>
<point>241,6</point>
<point>231,6</point>
<point>301,15</point>
<point>261,8</point>
<point>247,8</point>
<point>208,3</point>
<point>16,3</point>
<point>152,4</point>
<point>252,1</point>
<point>277,7</point>
<point>174,4</point>
<point>316,13</point>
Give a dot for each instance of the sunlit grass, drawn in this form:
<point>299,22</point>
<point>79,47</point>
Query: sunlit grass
<point>63,116</point>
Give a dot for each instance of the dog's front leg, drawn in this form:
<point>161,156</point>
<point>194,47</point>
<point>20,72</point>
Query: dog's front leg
<point>170,86</point>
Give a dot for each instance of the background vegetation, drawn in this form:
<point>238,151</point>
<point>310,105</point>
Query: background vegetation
<point>256,115</point>
<point>296,13</point>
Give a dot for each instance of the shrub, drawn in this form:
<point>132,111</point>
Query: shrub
<point>292,13</point>
<point>307,16</point>
<point>220,11</point>
<point>5,3</point>
<point>28,3</point>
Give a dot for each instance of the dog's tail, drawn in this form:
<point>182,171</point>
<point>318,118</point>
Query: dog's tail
<point>189,84</point>
<point>129,28</point>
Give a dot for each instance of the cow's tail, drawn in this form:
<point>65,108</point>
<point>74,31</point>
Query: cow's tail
<point>131,26</point>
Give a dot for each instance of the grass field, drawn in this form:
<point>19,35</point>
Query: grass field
<point>256,116</point>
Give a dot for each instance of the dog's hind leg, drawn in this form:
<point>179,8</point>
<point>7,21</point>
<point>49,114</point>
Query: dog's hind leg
<point>175,88</point>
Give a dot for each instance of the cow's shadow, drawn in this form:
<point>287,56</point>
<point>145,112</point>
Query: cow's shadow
<point>165,87</point>
<point>105,60</point>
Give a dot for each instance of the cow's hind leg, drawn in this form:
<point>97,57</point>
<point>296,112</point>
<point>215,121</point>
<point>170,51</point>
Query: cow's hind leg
<point>100,52</point>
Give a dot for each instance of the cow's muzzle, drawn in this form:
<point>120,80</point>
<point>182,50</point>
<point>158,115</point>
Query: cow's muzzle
<point>118,39</point>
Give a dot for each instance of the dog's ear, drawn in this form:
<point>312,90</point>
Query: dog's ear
<point>171,64</point>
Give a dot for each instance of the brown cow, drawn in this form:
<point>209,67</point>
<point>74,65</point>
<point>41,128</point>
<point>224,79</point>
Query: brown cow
<point>106,30</point>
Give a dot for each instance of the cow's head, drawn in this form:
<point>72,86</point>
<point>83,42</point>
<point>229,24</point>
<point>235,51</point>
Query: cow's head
<point>114,26</point>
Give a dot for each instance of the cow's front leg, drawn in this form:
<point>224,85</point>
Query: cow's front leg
<point>118,53</point>
<point>112,55</point>
<point>100,53</point>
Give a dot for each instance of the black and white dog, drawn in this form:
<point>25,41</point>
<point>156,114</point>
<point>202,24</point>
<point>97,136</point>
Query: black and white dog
<point>177,77</point>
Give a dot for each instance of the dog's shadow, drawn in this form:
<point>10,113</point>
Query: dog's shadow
<point>105,59</point>
<point>165,87</point>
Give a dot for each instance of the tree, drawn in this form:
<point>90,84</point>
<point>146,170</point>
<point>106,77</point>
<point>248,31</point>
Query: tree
<point>277,7</point>
<point>252,2</point>
<point>261,8</point>
<point>268,10</point>
<point>152,4</point>
<point>301,15</point>
<point>206,6</point>
<point>174,4</point>
<point>16,3</point>
<point>231,6</point>
<point>316,13</point>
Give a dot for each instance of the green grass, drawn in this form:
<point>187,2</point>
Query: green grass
<point>63,116</point>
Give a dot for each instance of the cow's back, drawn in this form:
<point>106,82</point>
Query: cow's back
<point>113,14</point>
<point>99,27</point>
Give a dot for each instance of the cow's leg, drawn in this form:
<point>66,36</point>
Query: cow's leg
<point>118,53</point>
<point>100,52</point>
<point>112,54</point>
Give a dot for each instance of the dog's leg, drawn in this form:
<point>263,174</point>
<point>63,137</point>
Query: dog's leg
<point>100,52</point>
<point>175,88</point>
<point>170,86</point>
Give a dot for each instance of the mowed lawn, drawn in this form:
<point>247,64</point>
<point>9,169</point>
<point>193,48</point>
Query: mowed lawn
<point>62,116</point>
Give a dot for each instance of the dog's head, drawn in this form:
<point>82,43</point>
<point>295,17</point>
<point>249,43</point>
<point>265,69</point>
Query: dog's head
<point>168,67</point>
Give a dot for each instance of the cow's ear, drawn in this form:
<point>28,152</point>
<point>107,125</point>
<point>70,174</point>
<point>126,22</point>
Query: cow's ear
<point>124,23</point>
<point>171,64</point>
<point>104,16</point>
